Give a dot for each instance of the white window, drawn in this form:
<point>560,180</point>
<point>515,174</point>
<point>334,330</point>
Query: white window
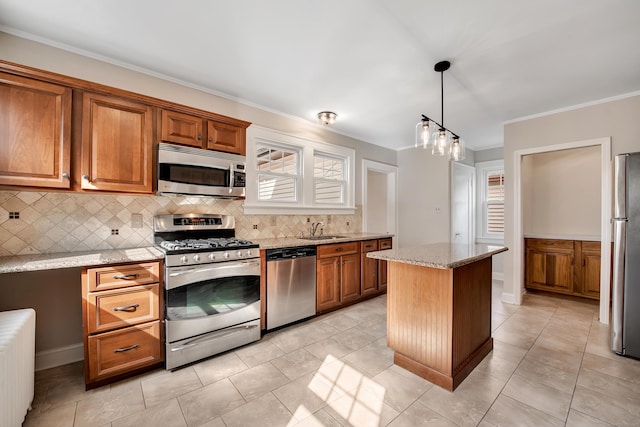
<point>288,174</point>
<point>328,179</point>
<point>278,173</point>
<point>490,200</point>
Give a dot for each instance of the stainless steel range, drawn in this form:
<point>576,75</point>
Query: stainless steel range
<point>212,286</point>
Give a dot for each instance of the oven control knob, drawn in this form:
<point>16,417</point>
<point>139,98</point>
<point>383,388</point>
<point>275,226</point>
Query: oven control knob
<point>212,257</point>
<point>183,259</point>
<point>196,257</point>
<point>249,252</point>
<point>226,255</point>
<point>239,254</point>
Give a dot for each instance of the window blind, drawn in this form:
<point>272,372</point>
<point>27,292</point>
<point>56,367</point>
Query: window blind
<point>329,179</point>
<point>278,173</point>
<point>495,202</point>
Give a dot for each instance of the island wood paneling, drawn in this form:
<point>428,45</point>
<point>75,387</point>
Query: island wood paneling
<point>439,320</point>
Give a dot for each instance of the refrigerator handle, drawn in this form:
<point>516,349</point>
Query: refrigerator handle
<point>619,186</point>
<point>617,302</point>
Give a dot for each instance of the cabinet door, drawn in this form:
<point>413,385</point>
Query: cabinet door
<point>591,269</point>
<point>328,283</point>
<point>117,142</point>
<point>369,268</point>
<point>35,133</point>
<point>225,137</point>
<point>382,265</point>
<point>350,283</point>
<point>549,270</point>
<point>181,128</point>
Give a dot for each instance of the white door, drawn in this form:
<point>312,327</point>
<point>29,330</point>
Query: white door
<point>463,178</point>
<point>379,197</point>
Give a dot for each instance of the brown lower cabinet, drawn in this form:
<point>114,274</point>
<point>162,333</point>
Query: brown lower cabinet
<point>570,267</point>
<point>121,321</point>
<point>345,275</point>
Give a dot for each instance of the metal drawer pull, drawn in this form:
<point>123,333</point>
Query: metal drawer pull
<point>127,307</point>
<point>126,276</point>
<point>122,350</point>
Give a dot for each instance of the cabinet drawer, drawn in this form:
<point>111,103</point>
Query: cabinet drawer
<point>115,352</point>
<point>385,244</point>
<point>119,308</point>
<point>369,245</point>
<point>119,276</point>
<point>549,244</point>
<point>338,249</point>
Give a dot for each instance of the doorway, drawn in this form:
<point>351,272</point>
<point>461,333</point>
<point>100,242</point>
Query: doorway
<point>463,182</point>
<point>605,216</point>
<point>379,197</point>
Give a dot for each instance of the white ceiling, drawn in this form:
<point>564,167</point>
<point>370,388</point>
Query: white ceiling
<point>370,61</point>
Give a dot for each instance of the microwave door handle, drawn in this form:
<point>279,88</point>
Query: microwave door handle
<point>231,176</point>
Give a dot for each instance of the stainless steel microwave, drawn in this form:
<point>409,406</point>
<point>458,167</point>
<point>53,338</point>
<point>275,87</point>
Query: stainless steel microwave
<point>195,171</point>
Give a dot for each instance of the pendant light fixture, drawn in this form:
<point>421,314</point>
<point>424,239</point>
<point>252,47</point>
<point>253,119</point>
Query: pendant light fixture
<point>434,136</point>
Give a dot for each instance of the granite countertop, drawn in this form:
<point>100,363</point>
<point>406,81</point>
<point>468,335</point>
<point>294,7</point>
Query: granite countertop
<point>21,263</point>
<point>289,242</point>
<point>439,255</point>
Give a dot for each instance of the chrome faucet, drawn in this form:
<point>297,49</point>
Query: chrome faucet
<point>314,228</point>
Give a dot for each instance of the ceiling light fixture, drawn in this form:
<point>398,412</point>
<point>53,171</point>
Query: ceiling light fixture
<point>443,141</point>
<point>327,117</point>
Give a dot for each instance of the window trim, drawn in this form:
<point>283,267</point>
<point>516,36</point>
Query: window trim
<point>307,148</point>
<point>483,169</point>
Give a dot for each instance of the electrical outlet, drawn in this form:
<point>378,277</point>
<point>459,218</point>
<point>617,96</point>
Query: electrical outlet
<point>115,231</point>
<point>308,219</point>
<point>348,223</point>
<point>437,210</point>
<point>255,226</point>
<point>136,220</point>
<point>14,215</point>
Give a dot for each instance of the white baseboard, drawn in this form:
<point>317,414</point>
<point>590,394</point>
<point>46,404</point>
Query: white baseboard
<point>498,276</point>
<point>508,298</point>
<point>59,356</point>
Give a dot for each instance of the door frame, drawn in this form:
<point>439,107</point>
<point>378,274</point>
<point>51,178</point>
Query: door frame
<point>392,192</point>
<point>605,219</point>
<point>472,204</point>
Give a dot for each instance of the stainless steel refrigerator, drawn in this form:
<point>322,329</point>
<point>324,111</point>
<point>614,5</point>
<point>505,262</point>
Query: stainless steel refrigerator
<point>625,321</point>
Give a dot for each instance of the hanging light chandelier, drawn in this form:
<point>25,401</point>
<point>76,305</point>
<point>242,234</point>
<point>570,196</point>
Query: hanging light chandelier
<point>432,135</point>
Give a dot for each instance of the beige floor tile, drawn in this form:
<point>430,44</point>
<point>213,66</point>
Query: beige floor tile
<point>616,388</point>
<point>620,367</point>
<point>558,342</point>
<point>496,366</point>
<point>172,384</point>
<point>256,381</point>
<point>219,367</point>
<point>507,351</point>
<point>263,411</point>
<point>419,415</point>
<point>319,418</point>
<point>401,387</point>
<point>58,416</point>
<point>122,400</point>
<point>549,375</point>
<point>307,394</point>
<point>297,363</point>
<point>462,409</point>
<point>68,392</point>
<point>215,422</point>
<point>567,361</point>
<point>604,407</point>
<point>371,359</point>
<point>258,353</point>
<point>330,346</point>
<point>363,406</point>
<point>339,321</point>
<point>509,412</point>
<point>578,419</point>
<point>539,396</point>
<point>209,402</point>
<point>520,339</point>
<point>302,336</point>
<point>164,414</point>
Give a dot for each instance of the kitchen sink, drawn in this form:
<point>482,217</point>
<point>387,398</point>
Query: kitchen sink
<point>324,237</point>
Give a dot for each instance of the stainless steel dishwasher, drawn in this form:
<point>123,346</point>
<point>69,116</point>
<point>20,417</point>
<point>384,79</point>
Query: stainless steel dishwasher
<point>291,285</point>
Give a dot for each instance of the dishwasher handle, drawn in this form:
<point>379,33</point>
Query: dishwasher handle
<point>290,253</point>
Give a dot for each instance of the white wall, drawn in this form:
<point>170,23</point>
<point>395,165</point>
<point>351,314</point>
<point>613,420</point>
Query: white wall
<point>617,119</point>
<point>562,193</point>
<point>423,200</point>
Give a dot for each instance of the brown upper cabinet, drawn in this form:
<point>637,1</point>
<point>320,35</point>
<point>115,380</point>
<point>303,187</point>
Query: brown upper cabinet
<point>35,133</point>
<point>201,132</point>
<point>117,144</point>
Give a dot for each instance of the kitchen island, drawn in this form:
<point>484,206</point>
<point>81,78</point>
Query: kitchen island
<point>439,308</point>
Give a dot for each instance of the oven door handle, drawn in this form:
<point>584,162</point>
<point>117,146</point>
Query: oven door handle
<point>211,336</point>
<point>217,267</point>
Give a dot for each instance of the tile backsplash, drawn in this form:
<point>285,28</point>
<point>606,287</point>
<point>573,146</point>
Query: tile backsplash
<point>47,222</point>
